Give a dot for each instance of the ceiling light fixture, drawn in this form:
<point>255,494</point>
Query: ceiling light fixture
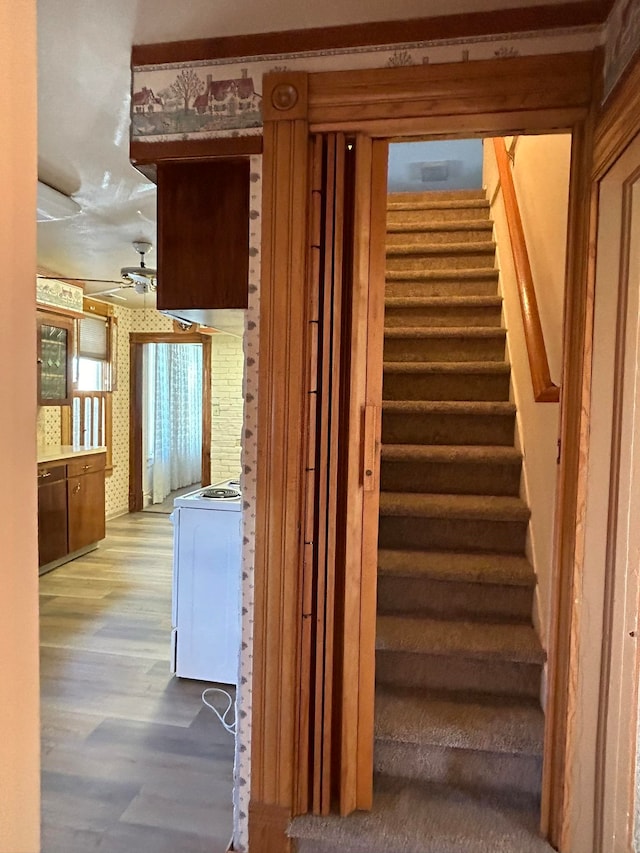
<point>53,205</point>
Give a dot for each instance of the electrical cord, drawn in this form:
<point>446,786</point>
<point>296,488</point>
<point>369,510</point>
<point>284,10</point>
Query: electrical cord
<point>228,726</point>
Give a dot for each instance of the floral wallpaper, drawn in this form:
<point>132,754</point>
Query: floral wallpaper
<point>242,767</point>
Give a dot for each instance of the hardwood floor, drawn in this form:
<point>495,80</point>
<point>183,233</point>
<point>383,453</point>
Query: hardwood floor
<point>132,761</point>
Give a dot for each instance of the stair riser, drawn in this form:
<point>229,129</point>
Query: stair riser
<point>442,287</point>
<point>443,214</point>
<point>445,349</point>
<point>415,428</point>
<point>446,672</point>
<point>468,769</point>
<point>453,599</point>
<point>441,261</point>
<point>433,235</point>
<point>446,386</point>
<point>451,477</point>
<point>452,534</point>
<point>454,316</point>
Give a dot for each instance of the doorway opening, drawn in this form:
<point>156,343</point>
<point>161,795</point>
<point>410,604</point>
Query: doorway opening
<point>168,403</point>
<point>171,423</point>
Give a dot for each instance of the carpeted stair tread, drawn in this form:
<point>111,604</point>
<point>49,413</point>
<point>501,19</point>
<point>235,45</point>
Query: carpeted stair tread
<point>410,817</point>
<point>487,247</point>
<point>488,568</point>
<point>407,715</point>
<point>487,507</point>
<point>440,204</point>
<point>448,407</point>
<point>470,273</point>
<point>479,367</point>
<point>472,640</point>
<point>445,332</point>
<point>451,453</point>
<point>443,301</point>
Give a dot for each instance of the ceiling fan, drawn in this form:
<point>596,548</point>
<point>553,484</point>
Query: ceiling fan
<point>142,278</point>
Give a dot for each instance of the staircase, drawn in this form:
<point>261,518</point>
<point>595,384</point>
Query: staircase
<point>458,725</point>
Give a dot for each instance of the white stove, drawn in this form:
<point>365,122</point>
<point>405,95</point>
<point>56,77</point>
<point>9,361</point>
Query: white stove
<point>224,496</point>
<point>207,546</point>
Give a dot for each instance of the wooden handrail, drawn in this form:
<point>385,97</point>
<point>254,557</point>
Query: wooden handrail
<point>544,390</point>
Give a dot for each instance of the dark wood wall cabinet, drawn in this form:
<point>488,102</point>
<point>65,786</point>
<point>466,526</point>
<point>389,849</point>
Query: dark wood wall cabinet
<point>55,359</point>
<point>203,234</point>
<point>71,508</point>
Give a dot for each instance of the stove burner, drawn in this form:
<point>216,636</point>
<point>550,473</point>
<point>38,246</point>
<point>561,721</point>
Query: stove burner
<point>220,493</point>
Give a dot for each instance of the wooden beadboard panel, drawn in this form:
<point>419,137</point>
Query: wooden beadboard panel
<point>518,85</point>
<point>460,26</point>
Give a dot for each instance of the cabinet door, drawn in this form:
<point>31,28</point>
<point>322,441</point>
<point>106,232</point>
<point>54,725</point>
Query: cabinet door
<point>203,234</point>
<point>52,515</point>
<point>86,509</point>
<point>55,359</point>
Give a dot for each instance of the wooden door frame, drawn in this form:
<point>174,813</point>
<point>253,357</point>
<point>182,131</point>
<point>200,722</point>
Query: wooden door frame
<point>538,94</point>
<point>137,341</point>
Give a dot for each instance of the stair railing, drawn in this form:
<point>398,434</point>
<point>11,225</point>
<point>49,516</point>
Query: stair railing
<point>544,390</point>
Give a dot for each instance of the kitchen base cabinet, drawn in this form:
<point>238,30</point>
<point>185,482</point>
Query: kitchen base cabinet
<point>71,508</point>
<point>52,513</point>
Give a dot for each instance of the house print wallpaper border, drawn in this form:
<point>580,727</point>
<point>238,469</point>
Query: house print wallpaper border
<point>222,98</point>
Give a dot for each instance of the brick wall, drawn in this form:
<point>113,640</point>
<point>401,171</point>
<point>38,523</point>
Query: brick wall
<point>227,406</point>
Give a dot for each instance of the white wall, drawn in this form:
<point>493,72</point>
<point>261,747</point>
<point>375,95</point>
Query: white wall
<point>541,178</point>
<point>19,705</point>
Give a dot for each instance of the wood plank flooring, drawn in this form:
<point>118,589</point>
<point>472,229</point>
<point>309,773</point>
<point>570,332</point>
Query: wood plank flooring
<point>132,761</point>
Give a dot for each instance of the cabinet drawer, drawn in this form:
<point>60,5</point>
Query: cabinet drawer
<point>86,465</point>
<point>51,473</point>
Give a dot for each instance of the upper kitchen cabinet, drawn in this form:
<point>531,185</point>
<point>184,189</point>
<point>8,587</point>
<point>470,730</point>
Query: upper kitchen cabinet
<point>203,234</point>
<point>55,354</point>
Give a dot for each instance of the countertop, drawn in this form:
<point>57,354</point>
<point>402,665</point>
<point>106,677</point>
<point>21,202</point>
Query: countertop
<point>59,452</point>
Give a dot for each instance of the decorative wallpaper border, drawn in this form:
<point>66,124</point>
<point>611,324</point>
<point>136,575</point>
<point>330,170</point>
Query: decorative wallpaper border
<point>222,98</point>
<point>622,41</point>
<point>242,764</point>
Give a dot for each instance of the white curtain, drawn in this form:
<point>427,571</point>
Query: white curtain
<point>177,442</point>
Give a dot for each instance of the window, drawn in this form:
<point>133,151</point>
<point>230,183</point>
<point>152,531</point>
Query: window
<point>88,420</point>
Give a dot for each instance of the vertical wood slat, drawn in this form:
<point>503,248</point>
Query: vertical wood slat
<point>307,784</point>
<point>334,299</point>
<point>377,211</point>
<point>361,534</point>
<point>280,485</point>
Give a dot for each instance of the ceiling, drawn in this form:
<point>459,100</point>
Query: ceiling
<point>84,51</point>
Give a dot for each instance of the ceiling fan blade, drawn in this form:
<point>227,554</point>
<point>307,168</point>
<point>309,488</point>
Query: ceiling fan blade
<point>87,280</point>
<point>112,291</point>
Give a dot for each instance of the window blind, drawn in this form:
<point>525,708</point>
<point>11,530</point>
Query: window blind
<point>93,340</point>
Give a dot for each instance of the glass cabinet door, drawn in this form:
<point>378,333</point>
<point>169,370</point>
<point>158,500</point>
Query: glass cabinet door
<point>55,350</point>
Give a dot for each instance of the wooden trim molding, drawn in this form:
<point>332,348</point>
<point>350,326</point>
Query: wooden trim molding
<point>583,13</point>
<point>145,155</point>
<point>447,99</point>
<point>136,341</point>
<point>544,390</point>
<point>280,487</point>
